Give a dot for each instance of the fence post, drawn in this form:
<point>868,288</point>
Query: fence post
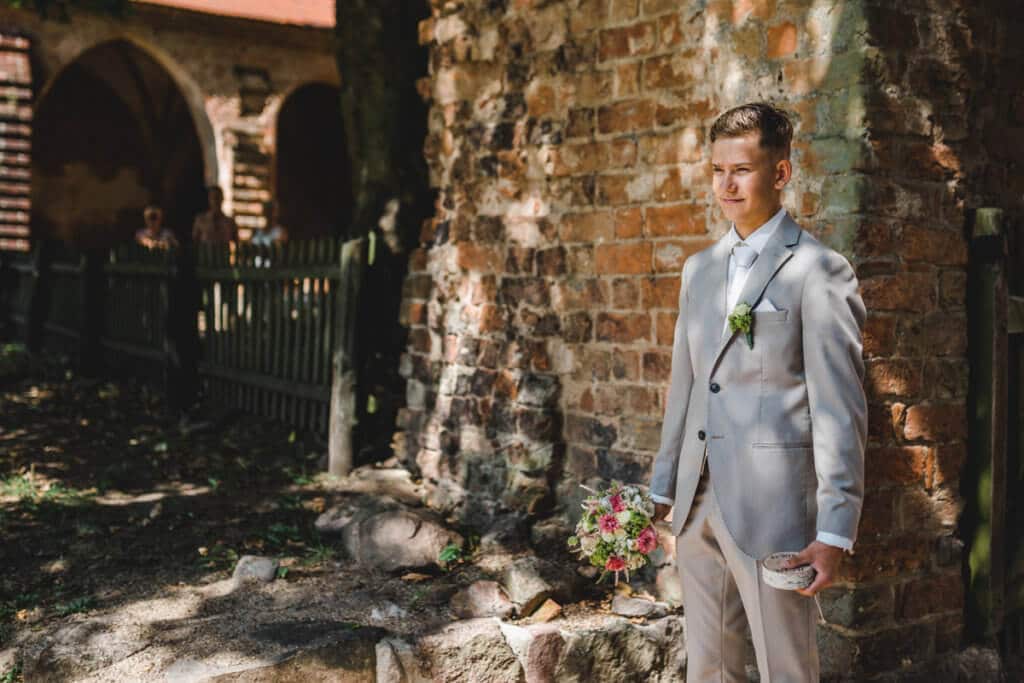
<point>91,332</point>
<point>986,474</point>
<point>343,372</point>
<point>39,299</point>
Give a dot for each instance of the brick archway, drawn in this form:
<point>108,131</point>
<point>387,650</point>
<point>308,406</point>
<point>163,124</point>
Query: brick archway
<point>114,130</point>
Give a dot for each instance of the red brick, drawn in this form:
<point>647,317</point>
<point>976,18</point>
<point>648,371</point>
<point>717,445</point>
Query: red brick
<point>666,323</point>
<point>935,513</point>
<point>540,100</point>
<point>936,422</point>
<point>949,463</point>
<point>628,116</point>
<point>953,288</point>
<point>894,556</point>
<point>623,327</point>
<point>571,159</point>
<point>885,421</point>
<point>419,340</point>
<point>570,294</point>
<point>625,365</point>
<point>625,293</point>
<point>676,219</point>
<point>940,247</point>
<point>942,334</point>
<point>616,190</point>
<point>879,334</point>
<point>757,9</point>
<point>894,378</point>
<point>476,258</point>
<point>878,518</point>
<point>902,465</point>
<point>782,40</point>
<point>930,595</point>
<point>587,227</point>
<point>663,72</point>
<point>657,366</point>
<point>620,153</point>
<point>669,255</point>
<point>625,259</point>
<point>910,292</point>
<point>627,41</point>
<point>624,10</point>
<point>661,292</point>
<point>678,147</point>
<point>629,223</point>
<point>669,187</point>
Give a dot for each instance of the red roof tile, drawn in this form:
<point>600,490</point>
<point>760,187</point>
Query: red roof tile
<point>303,12</point>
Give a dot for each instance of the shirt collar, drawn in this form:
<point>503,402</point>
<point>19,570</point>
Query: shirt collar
<point>759,237</point>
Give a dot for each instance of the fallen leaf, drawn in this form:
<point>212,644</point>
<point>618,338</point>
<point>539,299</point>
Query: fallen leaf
<point>415,577</point>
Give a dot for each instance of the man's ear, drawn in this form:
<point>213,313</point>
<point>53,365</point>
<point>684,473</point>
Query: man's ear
<point>783,173</point>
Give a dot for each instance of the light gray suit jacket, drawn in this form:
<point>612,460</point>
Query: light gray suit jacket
<point>784,423</point>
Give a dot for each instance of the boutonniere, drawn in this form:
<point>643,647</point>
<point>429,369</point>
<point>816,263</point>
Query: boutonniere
<point>740,320</point>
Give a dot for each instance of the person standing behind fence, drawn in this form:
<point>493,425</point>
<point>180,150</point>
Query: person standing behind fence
<point>153,235</point>
<point>274,233</point>
<point>214,226</point>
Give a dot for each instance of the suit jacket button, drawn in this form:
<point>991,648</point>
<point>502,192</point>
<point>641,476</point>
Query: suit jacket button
<point>715,387</point>
<point>701,435</point>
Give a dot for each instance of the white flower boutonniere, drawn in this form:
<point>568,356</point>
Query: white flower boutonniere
<point>741,320</point>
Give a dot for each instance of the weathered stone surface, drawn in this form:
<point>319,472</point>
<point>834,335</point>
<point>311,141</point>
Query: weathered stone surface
<point>350,660</point>
<point>481,599</point>
<point>525,586</point>
<point>471,650</point>
<point>619,650</point>
<point>255,567</point>
<point>548,610</point>
<point>397,539</point>
<point>638,607</point>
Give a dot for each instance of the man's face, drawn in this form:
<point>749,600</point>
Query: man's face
<point>747,180</point>
<point>215,198</point>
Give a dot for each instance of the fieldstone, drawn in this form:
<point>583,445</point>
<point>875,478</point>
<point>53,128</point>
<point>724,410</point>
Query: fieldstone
<point>470,650</point>
<point>335,519</point>
<point>537,648</point>
<point>550,533</point>
<point>482,599</point>
<point>619,650</point>
<point>546,612</point>
<point>262,569</point>
<point>396,662</point>
<point>398,540</point>
<point>507,533</point>
<point>638,607</point>
<point>525,586</point>
<point>396,483</point>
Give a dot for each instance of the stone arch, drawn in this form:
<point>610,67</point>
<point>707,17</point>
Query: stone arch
<point>119,126</point>
<point>311,176</point>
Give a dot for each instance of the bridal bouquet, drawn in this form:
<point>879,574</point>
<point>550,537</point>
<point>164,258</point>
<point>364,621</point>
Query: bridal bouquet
<point>616,532</point>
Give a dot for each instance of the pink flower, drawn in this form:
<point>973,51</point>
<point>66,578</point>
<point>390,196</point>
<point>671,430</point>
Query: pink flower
<point>615,564</point>
<point>608,524</point>
<point>647,540</point>
<point>616,503</point>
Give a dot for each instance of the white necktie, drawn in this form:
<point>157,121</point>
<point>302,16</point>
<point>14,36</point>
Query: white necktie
<point>743,257</point>
<point>744,254</point>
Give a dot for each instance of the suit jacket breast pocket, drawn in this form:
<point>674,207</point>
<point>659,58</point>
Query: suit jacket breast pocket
<point>769,318</point>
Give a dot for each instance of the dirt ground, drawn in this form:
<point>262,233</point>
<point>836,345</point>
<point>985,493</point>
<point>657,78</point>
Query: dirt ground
<point>107,501</point>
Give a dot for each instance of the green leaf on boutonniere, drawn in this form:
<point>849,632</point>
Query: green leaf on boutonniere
<point>741,320</point>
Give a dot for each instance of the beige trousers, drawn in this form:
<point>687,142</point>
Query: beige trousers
<point>722,591</point>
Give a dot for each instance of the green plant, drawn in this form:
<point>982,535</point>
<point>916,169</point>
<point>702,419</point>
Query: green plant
<point>82,604</point>
<point>450,554</point>
<point>318,555</point>
<point>12,675</point>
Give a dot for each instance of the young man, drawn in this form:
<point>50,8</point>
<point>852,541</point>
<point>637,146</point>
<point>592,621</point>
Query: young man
<point>762,446</point>
<point>153,235</point>
<point>214,226</point>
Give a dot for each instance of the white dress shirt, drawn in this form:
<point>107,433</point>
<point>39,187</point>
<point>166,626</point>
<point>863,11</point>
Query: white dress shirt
<point>737,277</point>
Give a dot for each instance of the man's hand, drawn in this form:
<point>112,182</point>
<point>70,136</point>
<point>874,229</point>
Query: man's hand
<point>825,560</point>
<point>661,511</point>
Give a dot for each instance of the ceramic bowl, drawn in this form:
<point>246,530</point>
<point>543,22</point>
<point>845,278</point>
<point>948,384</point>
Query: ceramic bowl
<point>776,576</point>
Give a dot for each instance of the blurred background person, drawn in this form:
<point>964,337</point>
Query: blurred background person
<point>153,235</point>
<point>213,226</point>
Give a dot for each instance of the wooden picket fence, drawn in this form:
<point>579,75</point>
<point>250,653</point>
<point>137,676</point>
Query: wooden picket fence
<point>269,326</point>
<point>269,320</point>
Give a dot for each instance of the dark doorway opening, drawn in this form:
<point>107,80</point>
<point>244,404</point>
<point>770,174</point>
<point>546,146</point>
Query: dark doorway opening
<point>312,175</point>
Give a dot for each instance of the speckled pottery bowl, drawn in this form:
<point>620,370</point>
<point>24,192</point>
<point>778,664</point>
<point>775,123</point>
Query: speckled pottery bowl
<point>776,576</point>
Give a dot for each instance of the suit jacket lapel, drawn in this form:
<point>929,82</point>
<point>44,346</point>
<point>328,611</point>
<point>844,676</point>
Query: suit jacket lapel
<point>775,253</point>
<point>716,275</point>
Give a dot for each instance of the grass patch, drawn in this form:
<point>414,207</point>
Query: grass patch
<point>76,606</point>
<point>317,555</point>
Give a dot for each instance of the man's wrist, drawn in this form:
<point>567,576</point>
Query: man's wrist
<point>835,541</point>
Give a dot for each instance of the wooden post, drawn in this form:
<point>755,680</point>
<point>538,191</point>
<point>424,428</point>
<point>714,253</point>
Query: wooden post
<point>39,299</point>
<point>985,520</point>
<point>343,381</point>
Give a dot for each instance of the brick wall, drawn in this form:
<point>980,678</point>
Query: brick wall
<point>568,148</point>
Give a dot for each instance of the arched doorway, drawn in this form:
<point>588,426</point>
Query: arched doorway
<point>312,187</point>
<point>113,133</point>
